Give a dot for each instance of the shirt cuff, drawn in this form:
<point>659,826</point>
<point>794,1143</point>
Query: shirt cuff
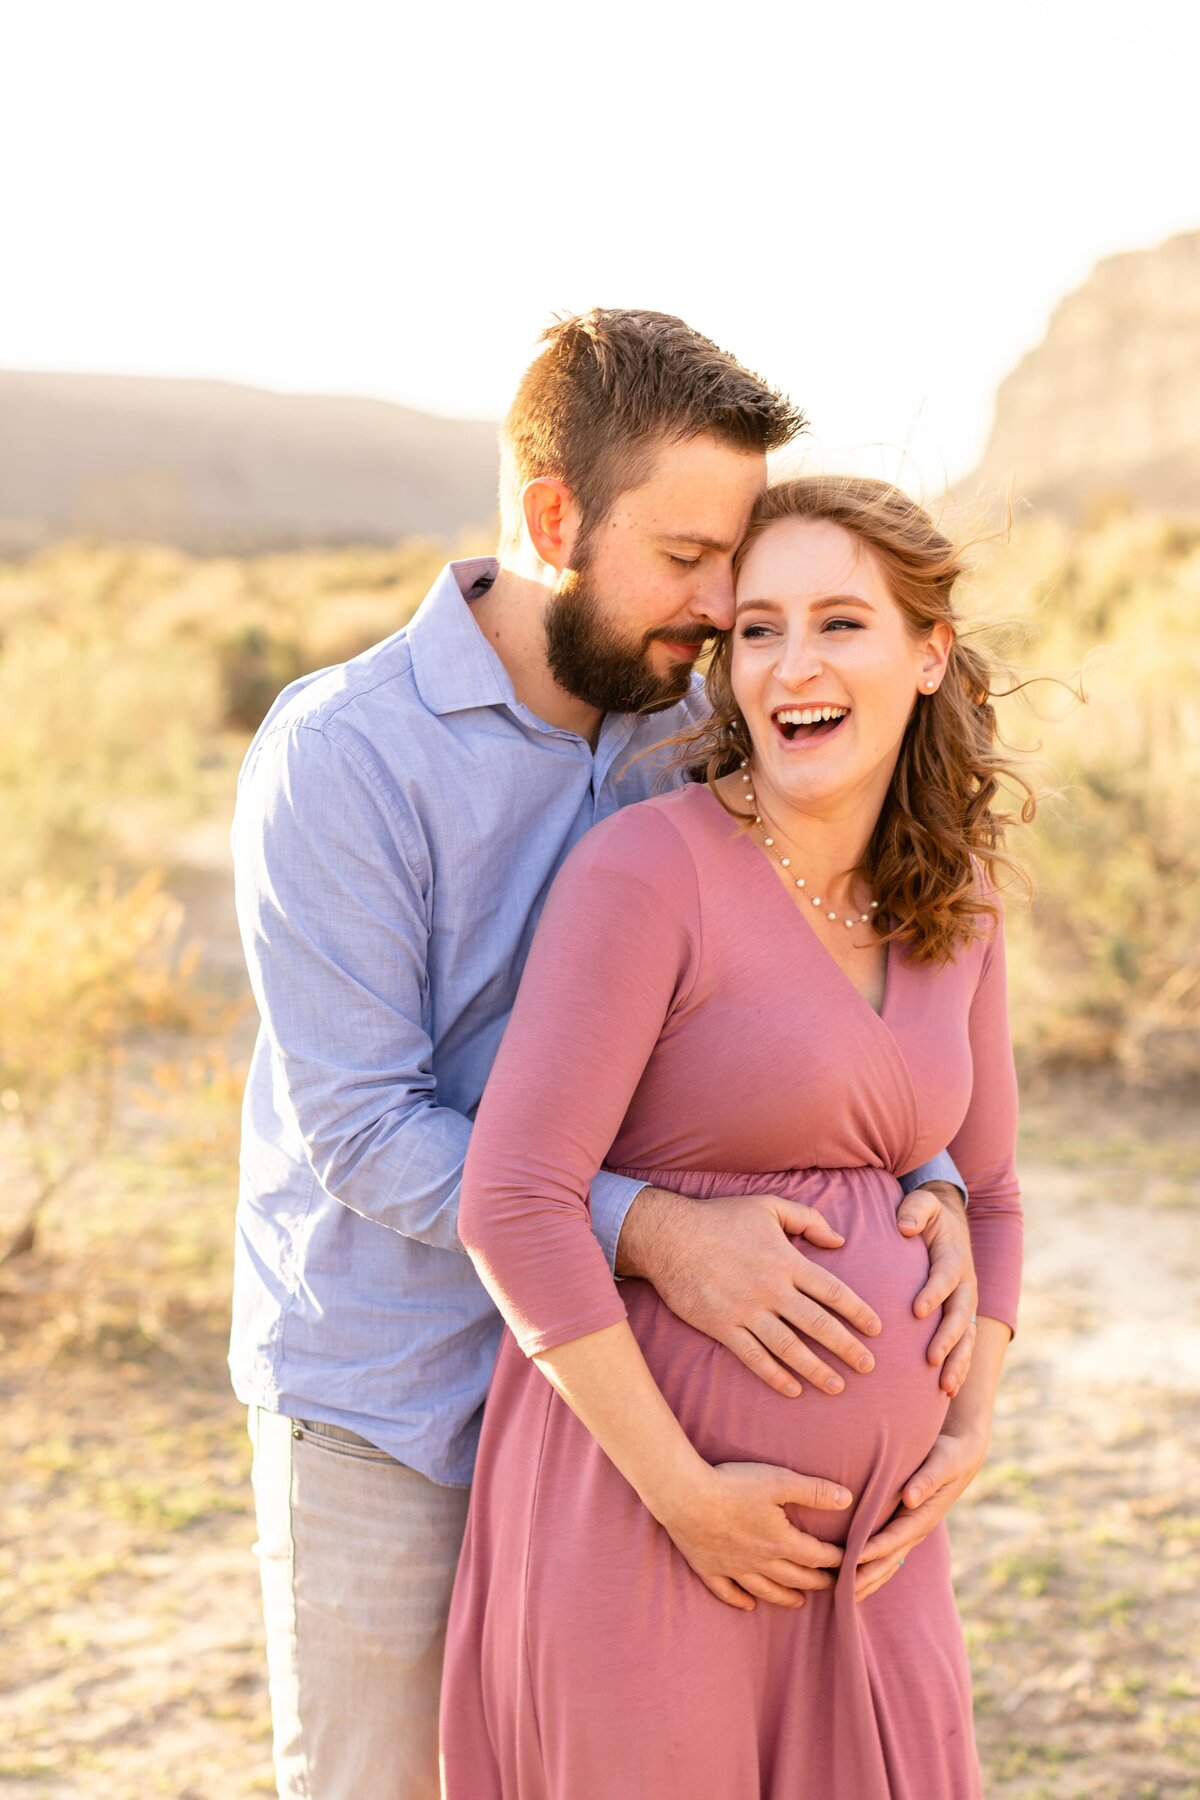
<point>942,1167</point>
<point>611,1198</point>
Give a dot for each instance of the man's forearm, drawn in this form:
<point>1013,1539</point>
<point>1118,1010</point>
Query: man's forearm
<point>405,1172</point>
<point>641,1243</point>
<point>611,1199</point>
<point>653,1211</point>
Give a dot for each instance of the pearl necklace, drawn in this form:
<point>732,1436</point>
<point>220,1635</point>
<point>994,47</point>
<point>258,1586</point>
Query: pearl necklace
<point>786,862</point>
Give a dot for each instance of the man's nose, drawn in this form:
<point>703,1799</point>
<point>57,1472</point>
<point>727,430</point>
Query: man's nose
<point>714,604</point>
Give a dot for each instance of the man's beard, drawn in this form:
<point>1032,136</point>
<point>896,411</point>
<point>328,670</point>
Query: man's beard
<point>590,660</point>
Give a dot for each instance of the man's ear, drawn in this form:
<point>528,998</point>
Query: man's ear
<point>551,519</point>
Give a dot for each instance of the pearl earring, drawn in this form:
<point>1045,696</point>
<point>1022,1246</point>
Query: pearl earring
<point>929,684</point>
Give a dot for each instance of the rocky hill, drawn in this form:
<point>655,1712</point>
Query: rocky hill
<point>1108,405</point>
<point>210,466</point>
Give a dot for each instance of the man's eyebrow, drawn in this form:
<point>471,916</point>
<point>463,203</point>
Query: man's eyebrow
<point>698,538</point>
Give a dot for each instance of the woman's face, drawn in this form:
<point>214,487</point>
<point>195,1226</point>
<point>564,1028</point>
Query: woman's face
<point>825,670</point>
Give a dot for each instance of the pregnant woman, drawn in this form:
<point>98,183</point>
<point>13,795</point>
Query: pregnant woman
<point>787,976</point>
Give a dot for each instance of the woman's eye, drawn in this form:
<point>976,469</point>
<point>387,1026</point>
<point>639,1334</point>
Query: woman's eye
<point>684,562</point>
<point>849,624</point>
<point>754,631</point>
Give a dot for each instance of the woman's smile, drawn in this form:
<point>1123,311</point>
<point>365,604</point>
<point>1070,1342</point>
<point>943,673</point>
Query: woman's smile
<point>803,725</point>
<point>825,668</point>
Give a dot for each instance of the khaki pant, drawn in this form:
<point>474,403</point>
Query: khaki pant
<point>357,1555</point>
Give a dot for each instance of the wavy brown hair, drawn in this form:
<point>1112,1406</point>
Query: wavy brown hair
<point>935,852</point>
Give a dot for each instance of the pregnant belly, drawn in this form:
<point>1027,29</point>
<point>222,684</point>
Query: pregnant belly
<point>879,1429</point>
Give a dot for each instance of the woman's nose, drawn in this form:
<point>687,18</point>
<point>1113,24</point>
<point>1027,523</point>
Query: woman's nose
<point>798,661</point>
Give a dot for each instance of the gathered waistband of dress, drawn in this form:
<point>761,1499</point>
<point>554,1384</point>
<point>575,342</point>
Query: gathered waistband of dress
<point>807,1185</point>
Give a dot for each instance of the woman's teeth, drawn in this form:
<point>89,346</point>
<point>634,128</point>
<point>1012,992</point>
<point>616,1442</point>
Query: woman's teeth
<point>793,718</point>
<point>811,715</point>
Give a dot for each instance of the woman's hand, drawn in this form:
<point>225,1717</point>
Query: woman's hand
<point>731,1527</point>
<point>947,1471</point>
<point>936,1212</point>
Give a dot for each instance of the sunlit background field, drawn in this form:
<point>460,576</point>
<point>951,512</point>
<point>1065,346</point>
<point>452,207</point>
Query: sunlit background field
<point>885,214</point>
<point>130,680</point>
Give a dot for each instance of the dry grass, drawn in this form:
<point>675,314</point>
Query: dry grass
<point>132,1655</point>
<point>132,678</point>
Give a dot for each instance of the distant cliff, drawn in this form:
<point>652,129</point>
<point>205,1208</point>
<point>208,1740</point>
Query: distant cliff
<point>209,466</point>
<point>1108,405</point>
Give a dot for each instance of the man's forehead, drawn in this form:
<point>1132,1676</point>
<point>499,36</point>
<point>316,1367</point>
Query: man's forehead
<point>678,460</point>
<point>699,491</point>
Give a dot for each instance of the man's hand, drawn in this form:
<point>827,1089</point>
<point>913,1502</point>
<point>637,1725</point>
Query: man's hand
<point>726,1267</point>
<point>936,1213</point>
<point>734,1533</point>
<point>947,1471</point>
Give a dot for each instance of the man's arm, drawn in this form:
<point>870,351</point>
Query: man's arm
<point>333,892</point>
<point>332,906</point>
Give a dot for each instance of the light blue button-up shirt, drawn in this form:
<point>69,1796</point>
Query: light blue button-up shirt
<point>399,821</point>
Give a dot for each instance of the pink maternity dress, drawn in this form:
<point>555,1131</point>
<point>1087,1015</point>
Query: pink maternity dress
<point>681,1021</point>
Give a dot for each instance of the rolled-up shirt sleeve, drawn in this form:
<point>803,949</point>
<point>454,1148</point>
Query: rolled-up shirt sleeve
<point>941,1167</point>
<point>611,1198</point>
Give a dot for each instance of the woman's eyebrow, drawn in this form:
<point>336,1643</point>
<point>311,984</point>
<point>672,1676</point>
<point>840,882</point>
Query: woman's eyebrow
<point>775,606</point>
<point>742,606</point>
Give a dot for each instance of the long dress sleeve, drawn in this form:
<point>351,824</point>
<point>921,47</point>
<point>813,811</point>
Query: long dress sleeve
<point>985,1145</point>
<point>614,953</point>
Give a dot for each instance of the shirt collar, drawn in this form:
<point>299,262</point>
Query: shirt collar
<point>454,666</point>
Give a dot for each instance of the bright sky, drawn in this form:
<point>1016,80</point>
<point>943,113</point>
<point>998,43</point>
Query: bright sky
<point>876,206</point>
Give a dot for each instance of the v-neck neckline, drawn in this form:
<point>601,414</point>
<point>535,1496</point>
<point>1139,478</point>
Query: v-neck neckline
<point>827,955</point>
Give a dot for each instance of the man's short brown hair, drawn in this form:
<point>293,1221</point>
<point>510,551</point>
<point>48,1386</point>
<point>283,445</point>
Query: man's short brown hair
<point>608,388</point>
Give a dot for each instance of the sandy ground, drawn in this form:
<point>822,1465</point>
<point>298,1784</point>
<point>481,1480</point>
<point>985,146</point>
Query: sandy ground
<point>132,1661</point>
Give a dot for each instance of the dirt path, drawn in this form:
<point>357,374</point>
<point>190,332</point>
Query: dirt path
<point>1078,1551</point>
<point>132,1647</point>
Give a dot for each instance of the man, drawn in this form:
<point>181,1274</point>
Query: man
<point>399,821</point>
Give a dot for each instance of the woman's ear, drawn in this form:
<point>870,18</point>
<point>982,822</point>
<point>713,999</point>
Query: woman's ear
<point>935,656</point>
